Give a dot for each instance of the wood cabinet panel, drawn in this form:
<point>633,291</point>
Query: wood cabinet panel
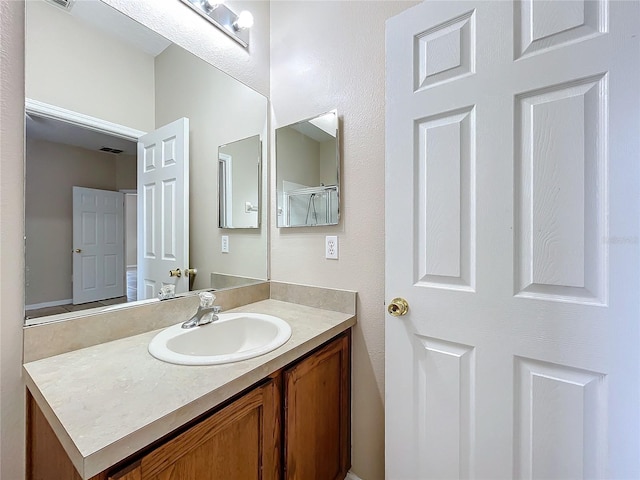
<point>240,441</point>
<point>317,414</point>
<point>46,458</point>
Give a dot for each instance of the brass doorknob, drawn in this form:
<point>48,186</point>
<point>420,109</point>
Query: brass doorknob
<point>398,307</point>
<point>78,250</point>
<point>190,271</point>
<point>175,273</point>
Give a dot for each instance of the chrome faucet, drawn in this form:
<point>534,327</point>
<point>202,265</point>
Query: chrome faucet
<point>207,312</point>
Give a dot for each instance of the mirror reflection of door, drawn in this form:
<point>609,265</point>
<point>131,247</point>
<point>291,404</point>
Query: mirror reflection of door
<point>98,245</point>
<point>163,209</point>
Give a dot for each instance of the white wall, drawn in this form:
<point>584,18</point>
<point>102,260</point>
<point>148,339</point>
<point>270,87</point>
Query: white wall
<point>12,400</point>
<point>327,55</point>
<point>77,67</point>
<point>185,29</point>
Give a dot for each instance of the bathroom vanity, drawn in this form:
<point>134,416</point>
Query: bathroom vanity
<point>112,411</point>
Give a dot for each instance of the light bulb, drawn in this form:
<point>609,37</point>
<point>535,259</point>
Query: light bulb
<point>244,20</point>
<point>209,5</point>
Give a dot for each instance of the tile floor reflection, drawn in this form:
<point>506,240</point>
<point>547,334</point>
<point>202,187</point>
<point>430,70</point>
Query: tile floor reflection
<point>132,295</point>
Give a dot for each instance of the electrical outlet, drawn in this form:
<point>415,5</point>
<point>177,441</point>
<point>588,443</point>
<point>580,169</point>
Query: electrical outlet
<point>225,244</point>
<point>331,247</point>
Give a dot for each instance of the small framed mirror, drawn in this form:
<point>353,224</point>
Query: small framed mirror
<point>308,172</point>
<point>239,183</point>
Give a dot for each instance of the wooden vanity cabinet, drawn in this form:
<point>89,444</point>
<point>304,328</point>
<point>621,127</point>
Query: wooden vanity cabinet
<point>317,414</point>
<point>240,441</point>
<point>293,425</point>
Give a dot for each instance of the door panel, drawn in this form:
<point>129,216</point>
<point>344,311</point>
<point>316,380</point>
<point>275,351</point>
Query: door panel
<point>559,421</point>
<point>98,244</point>
<point>163,204</point>
<point>561,165</point>
<point>512,230</point>
<point>446,251</point>
<point>447,419</point>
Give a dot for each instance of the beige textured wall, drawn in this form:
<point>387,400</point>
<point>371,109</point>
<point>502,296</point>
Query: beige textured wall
<point>327,55</point>
<point>52,169</point>
<point>126,172</point>
<point>11,239</point>
<point>222,112</point>
<point>74,66</point>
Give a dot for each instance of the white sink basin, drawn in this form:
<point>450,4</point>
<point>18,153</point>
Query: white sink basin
<point>234,337</point>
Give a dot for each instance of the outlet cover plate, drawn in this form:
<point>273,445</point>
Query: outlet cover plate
<point>331,247</point>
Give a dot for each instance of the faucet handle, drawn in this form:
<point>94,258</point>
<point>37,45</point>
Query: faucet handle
<point>206,299</point>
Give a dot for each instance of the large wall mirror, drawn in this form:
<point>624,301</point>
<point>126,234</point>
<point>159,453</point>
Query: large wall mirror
<point>98,65</point>
<point>308,172</point>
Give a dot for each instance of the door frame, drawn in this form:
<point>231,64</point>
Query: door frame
<point>129,191</point>
<point>46,110</point>
<point>225,192</point>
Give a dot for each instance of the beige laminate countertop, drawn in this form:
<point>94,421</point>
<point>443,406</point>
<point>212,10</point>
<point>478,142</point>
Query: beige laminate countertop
<point>108,401</point>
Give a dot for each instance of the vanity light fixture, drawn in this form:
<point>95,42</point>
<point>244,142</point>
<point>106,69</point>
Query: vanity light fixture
<point>236,26</point>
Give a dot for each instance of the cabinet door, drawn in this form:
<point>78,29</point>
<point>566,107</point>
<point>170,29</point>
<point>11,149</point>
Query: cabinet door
<point>317,417</point>
<point>241,441</point>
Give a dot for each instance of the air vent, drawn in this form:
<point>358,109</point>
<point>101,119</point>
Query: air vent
<point>111,150</point>
<point>65,4</point>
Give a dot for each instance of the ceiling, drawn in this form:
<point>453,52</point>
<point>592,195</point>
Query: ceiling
<point>104,17</point>
<point>41,128</point>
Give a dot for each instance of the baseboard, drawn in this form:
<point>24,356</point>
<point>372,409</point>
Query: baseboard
<point>55,303</point>
<point>352,476</point>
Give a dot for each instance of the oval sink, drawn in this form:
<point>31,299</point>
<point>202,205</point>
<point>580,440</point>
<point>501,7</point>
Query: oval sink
<point>234,337</point>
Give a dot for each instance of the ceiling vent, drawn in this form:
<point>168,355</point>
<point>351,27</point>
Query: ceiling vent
<point>65,4</point>
<point>111,150</point>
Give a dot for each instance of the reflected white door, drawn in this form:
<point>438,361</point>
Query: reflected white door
<point>512,231</point>
<point>163,208</point>
<point>98,245</point>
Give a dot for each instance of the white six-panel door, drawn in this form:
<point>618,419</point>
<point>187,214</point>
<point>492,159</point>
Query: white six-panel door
<point>163,208</point>
<point>98,244</point>
<point>512,208</point>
